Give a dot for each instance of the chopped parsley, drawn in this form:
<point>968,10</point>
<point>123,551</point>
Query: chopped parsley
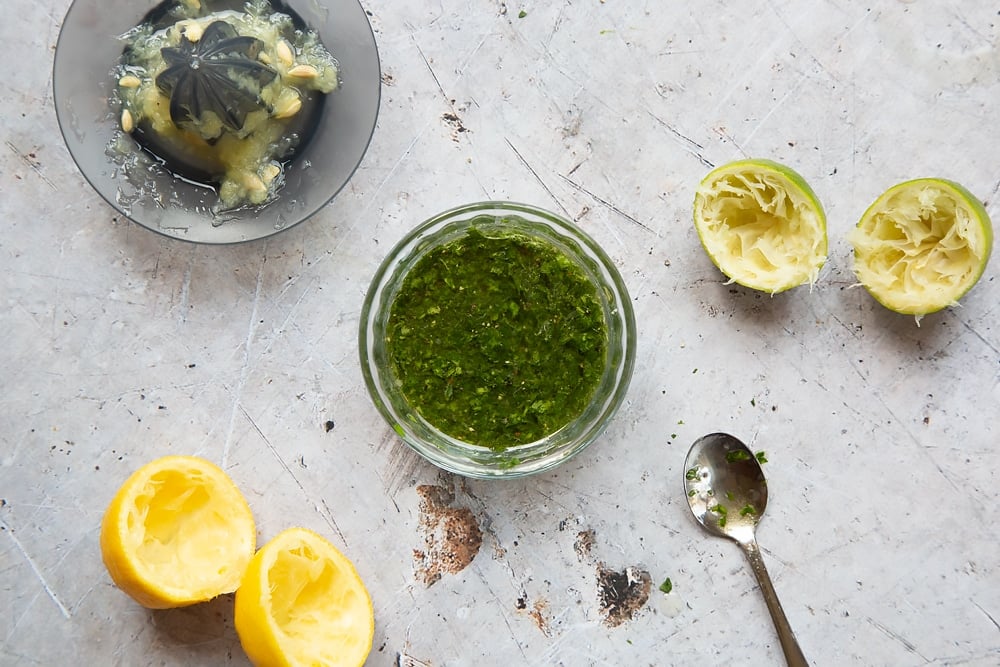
<point>748,509</point>
<point>691,474</point>
<point>497,338</point>
<point>760,457</point>
<point>521,14</point>
<point>737,455</point>
<point>667,585</point>
<point>722,512</point>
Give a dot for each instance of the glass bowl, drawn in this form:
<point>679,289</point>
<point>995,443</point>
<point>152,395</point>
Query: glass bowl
<point>134,183</point>
<point>480,461</point>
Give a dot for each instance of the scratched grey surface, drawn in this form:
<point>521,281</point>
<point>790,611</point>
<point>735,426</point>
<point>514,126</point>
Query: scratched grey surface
<point>881,536</point>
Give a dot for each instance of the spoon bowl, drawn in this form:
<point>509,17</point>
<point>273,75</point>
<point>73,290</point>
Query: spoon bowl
<point>727,493</point>
<point>726,488</point>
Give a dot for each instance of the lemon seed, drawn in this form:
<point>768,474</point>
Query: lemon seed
<point>303,72</point>
<point>130,81</point>
<point>253,183</point>
<point>193,32</point>
<point>128,124</point>
<point>270,172</point>
<point>287,107</point>
<point>285,55</point>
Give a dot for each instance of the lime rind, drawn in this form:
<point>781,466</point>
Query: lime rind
<point>922,245</point>
<point>761,225</point>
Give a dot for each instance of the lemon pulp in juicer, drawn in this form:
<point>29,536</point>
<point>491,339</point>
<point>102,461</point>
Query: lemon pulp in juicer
<point>224,94</point>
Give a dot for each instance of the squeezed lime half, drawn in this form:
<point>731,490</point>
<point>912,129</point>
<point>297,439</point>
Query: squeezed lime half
<point>761,224</point>
<point>922,245</point>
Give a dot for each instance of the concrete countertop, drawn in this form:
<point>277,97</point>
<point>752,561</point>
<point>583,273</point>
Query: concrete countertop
<point>882,437</point>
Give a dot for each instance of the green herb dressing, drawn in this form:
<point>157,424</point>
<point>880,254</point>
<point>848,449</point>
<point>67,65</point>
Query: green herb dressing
<point>497,338</point>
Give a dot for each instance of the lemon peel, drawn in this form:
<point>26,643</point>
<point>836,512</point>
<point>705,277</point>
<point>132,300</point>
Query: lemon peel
<point>302,603</point>
<point>177,532</point>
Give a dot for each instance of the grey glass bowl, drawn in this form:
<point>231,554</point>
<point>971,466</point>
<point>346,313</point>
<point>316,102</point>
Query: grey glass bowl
<point>469,459</point>
<point>88,49</point>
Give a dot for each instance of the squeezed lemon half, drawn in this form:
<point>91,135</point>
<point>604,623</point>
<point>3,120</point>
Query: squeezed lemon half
<point>177,532</point>
<point>761,225</point>
<point>922,245</point>
<point>302,603</point>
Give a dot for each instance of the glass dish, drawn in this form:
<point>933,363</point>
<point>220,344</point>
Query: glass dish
<point>479,461</point>
<point>87,52</point>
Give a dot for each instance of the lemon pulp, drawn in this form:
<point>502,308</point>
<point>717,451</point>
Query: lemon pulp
<point>182,537</point>
<point>761,225</point>
<point>922,245</point>
<point>310,586</point>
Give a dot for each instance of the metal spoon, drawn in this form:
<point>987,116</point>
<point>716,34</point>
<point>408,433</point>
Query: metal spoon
<point>727,493</point>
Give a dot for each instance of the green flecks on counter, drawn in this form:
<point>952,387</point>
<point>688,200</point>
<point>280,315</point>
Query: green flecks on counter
<point>761,458</point>
<point>497,338</point>
<point>667,586</point>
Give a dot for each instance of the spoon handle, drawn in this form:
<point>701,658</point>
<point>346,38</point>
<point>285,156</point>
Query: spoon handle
<point>793,654</point>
